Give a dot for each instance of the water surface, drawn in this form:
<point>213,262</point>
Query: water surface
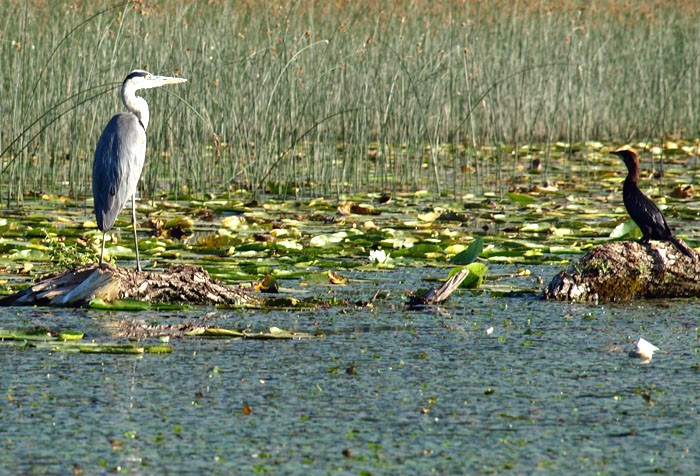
<point>386,391</point>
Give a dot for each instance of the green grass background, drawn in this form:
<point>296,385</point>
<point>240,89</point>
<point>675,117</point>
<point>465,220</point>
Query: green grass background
<point>337,97</point>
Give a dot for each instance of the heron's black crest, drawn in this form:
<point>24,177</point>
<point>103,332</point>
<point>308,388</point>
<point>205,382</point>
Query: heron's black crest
<point>137,73</point>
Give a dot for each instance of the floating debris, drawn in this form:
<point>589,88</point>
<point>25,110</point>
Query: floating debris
<point>435,296</point>
<point>644,350</point>
<point>274,333</point>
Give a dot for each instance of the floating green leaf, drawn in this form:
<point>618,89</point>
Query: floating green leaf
<point>28,255</point>
<point>70,335</point>
<point>34,334</point>
<point>120,305</point>
<point>89,347</point>
<point>627,228</point>
<point>102,348</point>
<point>421,250</point>
<point>134,305</point>
<point>326,239</point>
<point>477,273</point>
<point>158,349</point>
<point>470,254</point>
<point>522,199</point>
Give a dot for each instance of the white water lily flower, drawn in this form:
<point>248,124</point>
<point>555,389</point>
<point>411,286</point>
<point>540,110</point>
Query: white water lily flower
<point>378,257</point>
<point>644,350</point>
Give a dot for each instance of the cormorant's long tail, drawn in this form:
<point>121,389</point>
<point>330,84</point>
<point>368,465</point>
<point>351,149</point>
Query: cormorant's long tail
<point>680,246</point>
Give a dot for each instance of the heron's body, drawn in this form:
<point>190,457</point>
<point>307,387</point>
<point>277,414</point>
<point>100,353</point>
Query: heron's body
<point>121,154</point>
<point>114,182</point>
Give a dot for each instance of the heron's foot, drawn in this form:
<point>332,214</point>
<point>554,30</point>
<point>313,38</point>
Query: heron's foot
<point>105,265</point>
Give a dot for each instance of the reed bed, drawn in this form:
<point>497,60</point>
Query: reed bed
<point>329,98</point>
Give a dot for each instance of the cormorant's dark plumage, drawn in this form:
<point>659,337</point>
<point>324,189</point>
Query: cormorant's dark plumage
<point>642,210</point>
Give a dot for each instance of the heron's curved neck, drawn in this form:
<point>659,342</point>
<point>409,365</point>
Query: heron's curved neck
<point>135,104</point>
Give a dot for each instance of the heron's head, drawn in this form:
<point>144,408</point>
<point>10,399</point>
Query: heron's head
<point>139,79</point>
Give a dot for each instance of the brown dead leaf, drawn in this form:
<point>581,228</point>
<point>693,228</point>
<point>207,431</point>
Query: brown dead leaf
<point>350,208</point>
<point>344,208</point>
<point>683,191</point>
<point>335,278</point>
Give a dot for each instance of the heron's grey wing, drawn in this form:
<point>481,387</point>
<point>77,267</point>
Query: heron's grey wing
<point>119,159</point>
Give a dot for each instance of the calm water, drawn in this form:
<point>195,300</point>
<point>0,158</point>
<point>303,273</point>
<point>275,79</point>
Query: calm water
<point>550,389</point>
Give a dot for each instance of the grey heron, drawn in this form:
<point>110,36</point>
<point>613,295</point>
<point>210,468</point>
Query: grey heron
<point>121,153</point>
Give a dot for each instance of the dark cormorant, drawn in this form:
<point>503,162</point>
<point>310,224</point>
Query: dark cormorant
<point>643,211</point>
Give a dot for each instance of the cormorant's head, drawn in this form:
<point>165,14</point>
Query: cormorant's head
<point>629,157</point>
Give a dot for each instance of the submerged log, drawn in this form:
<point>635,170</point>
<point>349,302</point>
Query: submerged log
<point>627,270</point>
<point>178,285</point>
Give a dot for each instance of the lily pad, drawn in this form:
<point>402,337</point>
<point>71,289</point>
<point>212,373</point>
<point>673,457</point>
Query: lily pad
<point>134,305</point>
<point>89,347</point>
<point>36,334</point>
<point>627,228</point>
<point>70,335</point>
<point>521,198</point>
<point>477,273</point>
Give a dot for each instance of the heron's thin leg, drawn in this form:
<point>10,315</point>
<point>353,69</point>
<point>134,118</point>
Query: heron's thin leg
<point>102,253</point>
<point>133,224</point>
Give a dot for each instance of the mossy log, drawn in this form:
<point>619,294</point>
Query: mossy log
<point>627,270</point>
<point>178,285</point>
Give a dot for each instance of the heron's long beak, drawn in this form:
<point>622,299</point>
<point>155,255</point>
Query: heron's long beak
<point>168,80</point>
